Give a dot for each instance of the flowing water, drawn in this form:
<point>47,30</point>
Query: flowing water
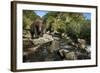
<point>50,52</point>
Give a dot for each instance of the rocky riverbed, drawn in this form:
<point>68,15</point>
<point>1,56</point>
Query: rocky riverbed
<point>48,48</point>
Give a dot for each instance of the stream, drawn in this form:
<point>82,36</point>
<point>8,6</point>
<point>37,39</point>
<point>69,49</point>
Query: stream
<point>50,52</point>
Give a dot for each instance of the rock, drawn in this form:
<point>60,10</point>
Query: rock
<point>69,41</point>
<point>56,38</point>
<point>54,46</point>
<point>64,35</point>
<point>42,40</point>
<point>27,44</point>
<point>39,41</point>
<point>70,55</point>
<point>81,43</point>
<point>67,54</point>
<point>84,53</point>
<point>88,49</point>
<point>81,56</point>
<point>67,46</point>
<point>48,37</point>
<point>61,52</point>
<point>29,47</point>
<point>56,34</point>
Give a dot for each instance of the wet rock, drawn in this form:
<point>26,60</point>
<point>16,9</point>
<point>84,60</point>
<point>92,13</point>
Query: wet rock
<point>56,38</point>
<point>67,55</point>
<point>27,44</point>
<point>84,53</point>
<point>61,52</point>
<point>81,43</point>
<point>88,49</point>
<point>81,56</point>
<point>64,35</point>
<point>70,56</point>
<point>53,46</point>
<point>42,40</point>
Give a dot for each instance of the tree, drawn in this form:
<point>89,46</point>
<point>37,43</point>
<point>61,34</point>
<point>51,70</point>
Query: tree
<point>28,17</point>
<point>73,24</point>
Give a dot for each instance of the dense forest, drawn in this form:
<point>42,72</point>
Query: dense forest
<point>63,24</point>
<point>73,24</point>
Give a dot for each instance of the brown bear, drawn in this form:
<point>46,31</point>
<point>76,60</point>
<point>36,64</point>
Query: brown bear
<point>36,28</point>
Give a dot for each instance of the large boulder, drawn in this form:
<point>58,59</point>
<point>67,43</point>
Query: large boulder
<point>70,56</point>
<point>54,46</point>
<point>67,55</point>
<point>42,40</point>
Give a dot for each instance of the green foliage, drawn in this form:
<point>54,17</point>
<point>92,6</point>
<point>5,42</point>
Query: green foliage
<point>86,31</point>
<point>28,17</point>
<point>73,24</point>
